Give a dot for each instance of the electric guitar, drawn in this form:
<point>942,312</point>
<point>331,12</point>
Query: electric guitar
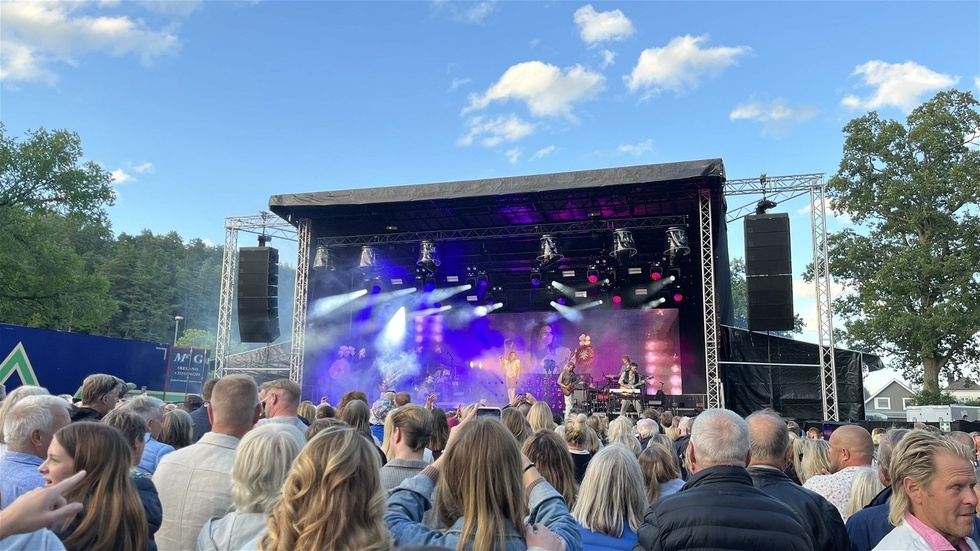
<point>567,389</point>
<point>638,383</point>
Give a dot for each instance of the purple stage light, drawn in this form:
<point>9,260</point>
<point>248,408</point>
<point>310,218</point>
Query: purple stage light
<point>678,296</point>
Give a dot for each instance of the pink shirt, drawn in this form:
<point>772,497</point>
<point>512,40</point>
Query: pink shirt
<point>936,541</point>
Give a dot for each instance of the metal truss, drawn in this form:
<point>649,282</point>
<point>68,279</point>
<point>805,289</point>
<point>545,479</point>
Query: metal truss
<point>712,380</point>
<point>784,188</point>
<point>825,317</point>
<point>563,228</point>
<point>263,223</point>
<point>303,231</point>
<point>776,188</point>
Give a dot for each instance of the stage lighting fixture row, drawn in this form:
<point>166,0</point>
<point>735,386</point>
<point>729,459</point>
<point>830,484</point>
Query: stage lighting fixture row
<point>535,278</point>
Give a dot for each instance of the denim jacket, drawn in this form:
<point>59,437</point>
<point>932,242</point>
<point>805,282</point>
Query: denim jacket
<point>409,501</point>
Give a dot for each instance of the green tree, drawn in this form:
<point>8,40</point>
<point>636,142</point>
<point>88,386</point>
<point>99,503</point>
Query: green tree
<point>45,175</point>
<point>197,338</point>
<point>911,265</point>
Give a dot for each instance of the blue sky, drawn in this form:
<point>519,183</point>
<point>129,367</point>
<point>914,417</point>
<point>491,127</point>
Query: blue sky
<point>204,109</point>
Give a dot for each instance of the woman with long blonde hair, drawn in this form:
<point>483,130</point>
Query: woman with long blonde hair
<point>611,500</point>
<point>332,498</point>
<point>484,489</point>
<point>661,473</point>
<point>540,416</point>
<point>113,517</point>
<point>550,456</point>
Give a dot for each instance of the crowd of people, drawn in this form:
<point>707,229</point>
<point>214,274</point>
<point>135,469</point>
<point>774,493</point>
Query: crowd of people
<point>248,466</point>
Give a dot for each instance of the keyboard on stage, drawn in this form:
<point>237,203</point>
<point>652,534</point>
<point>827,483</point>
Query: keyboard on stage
<point>624,390</point>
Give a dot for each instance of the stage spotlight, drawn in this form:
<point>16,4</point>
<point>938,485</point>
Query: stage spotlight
<point>617,296</point>
<point>678,295</point>
<point>430,284</point>
<point>549,251</point>
<point>656,272</point>
<point>370,258</point>
<point>429,256</point>
<point>623,246</point>
<point>373,284</point>
<point>677,244</point>
<point>323,259</point>
<point>482,281</point>
<point>654,303</point>
<point>592,275</point>
<point>535,278</point>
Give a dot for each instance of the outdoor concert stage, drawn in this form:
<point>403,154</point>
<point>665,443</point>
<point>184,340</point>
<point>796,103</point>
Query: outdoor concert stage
<point>425,287</point>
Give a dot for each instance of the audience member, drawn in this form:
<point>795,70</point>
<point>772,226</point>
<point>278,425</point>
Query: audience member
<point>440,432</point>
<point>325,411</point>
<point>517,424</point>
<point>864,488</point>
<point>178,429</point>
<point>29,427</point>
<point>770,447</point>
<point>411,430</point>
<point>480,476</point>
<point>402,398</point>
<point>280,402</point>
<point>307,411</point>
<point>540,416</point>
<point>611,501</point>
<point>577,439</point>
<point>195,483</point>
<point>331,499</point>
<point>850,449</point>
<point>113,516</point>
<point>100,393</point>
<point>357,415</point>
<point>192,403</point>
<point>15,396</point>
<point>551,458</point>
<point>348,397</point>
<point>262,461</point>
<point>151,410</point>
<point>661,474</point>
<point>645,429</point>
<point>133,428</point>
<point>24,523</point>
<point>202,423</point>
<point>680,443</point>
<point>718,508</point>
<point>321,425</point>
<point>810,457</point>
<point>933,503</point>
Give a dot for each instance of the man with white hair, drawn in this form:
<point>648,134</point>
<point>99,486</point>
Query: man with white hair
<point>933,503</point>
<point>645,429</point>
<point>718,508</point>
<point>152,411</point>
<point>680,445</point>
<point>28,428</point>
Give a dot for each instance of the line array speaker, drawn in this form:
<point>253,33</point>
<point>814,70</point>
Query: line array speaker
<point>258,294</point>
<point>769,272</point>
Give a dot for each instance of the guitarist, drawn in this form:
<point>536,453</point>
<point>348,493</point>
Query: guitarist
<point>566,381</point>
<point>631,379</point>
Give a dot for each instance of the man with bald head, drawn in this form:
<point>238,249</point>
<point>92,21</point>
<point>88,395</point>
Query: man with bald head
<point>771,452</point>
<point>851,448</point>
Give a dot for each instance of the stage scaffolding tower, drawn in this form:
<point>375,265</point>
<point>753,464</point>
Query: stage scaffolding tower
<point>263,224</point>
<point>784,188</point>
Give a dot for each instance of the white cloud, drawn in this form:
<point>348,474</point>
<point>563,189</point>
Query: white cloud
<point>976,82</point>
<point>595,27</point>
<point>143,167</point>
<point>513,155</point>
<point>492,132</point>
<point>608,58</point>
<point>457,82</point>
<point>638,149</point>
<point>841,216</point>
<point>39,34</point>
<point>180,8</point>
<point>543,152</point>
<point>681,64</point>
<point>776,116</point>
<point>473,13</point>
<point>547,90</point>
<point>899,85</point>
<point>119,176</point>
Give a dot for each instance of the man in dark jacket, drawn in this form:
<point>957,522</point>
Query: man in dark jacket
<point>200,415</point>
<point>718,508</point>
<point>770,448</point>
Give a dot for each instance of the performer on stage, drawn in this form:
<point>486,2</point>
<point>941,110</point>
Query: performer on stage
<point>566,381</point>
<point>630,379</point>
<point>512,372</point>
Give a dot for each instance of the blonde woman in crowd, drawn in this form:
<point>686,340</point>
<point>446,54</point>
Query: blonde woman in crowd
<point>600,426</point>
<point>307,411</point>
<point>540,416</point>
<point>612,500</point>
<point>661,474</point>
<point>113,517</point>
<point>618,426</point>
<point>864,487</point>
<point>331,499</point>
<point>517,424</point>
<point>484,489</point>
<point>263,459</point>
<point>579,437</point>
<point>810,456</point>
<point>550,456</point>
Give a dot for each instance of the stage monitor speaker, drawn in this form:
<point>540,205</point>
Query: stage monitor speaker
<point>769,272</point>
<point>258,294</point>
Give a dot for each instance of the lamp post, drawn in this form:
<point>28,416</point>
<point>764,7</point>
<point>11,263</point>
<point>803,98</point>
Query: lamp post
<point>177,320</point>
